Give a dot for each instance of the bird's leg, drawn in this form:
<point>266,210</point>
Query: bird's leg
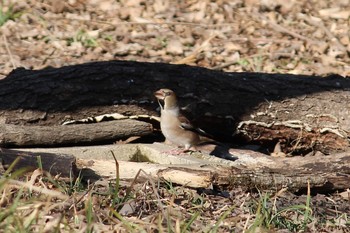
<point>191,150</point>
<point>176,151</point>
<point>179,151</point>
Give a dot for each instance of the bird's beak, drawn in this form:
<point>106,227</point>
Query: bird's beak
<point>159,95</point>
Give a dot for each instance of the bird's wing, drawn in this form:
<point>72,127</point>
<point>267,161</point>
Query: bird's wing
<point>185,123</point>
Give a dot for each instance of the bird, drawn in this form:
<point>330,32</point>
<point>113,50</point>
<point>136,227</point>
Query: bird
<point>178,130</point>
<point>175,127</point>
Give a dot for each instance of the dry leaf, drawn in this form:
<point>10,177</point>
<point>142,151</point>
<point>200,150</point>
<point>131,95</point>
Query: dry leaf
<point>345,195</point>
<point>174,47</point>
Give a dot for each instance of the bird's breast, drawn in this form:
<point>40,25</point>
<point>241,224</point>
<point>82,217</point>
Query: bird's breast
<point>172,130</point>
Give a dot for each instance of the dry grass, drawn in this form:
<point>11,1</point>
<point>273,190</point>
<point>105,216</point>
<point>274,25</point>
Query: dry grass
<point>37,202</point>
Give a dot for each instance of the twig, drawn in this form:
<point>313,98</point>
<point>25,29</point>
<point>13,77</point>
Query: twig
<point>52,193</point>
<point>192,57</point>
<point>81,197</point>
<point>321,25</point>
<point>9,51</point>
<point>227,64</point>
<point>220,67</point>
<point>148,23</point>
<point>280,28</point>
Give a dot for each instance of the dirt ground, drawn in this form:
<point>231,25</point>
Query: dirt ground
<point>275,36</point>
<point>299,37</point>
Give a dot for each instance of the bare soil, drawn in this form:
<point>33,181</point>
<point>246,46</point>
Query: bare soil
<point>299,37</point>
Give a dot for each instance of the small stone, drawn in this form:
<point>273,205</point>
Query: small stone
<point>174,47</point>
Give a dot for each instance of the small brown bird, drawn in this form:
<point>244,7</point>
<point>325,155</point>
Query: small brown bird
<point>175,127</point>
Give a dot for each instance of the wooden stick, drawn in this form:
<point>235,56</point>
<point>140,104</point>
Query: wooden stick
<point>25,136</point>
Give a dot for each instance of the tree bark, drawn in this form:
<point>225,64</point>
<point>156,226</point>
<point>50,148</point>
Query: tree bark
<point>322,173</point>
<point>63,135</point>
<point>303,113</point>
<point>250,169</point>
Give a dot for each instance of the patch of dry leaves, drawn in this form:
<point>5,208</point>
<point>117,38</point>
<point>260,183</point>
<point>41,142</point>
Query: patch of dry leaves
<point>299,37</point>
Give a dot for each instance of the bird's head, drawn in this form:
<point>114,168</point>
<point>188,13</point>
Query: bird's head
<point>168,96</point>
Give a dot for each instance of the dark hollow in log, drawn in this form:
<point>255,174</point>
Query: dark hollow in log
<point>63,135</point>
<point>228,106</point>
<point>56,164</point>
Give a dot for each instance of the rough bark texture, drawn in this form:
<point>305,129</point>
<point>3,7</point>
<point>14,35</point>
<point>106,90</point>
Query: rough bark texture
<point>322,173</point>
<point>57,164</point>
<point>250,169</point>
<point>302,113</point>
<point>63,135</point>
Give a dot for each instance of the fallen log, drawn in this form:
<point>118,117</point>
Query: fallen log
<point>200,170</point>
<point>302,113</point>
<point>56,164</point>
<point>63,135</point>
